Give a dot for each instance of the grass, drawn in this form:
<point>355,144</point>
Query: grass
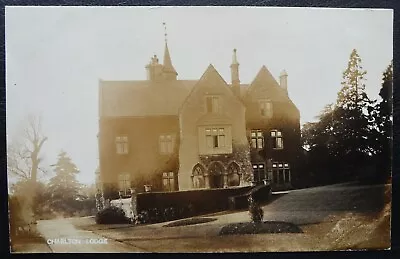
<point>266,227</point>
<point>29,241</point>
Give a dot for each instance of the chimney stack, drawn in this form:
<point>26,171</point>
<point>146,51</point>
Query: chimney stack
<point>235,75</point>
<point>283,80</point>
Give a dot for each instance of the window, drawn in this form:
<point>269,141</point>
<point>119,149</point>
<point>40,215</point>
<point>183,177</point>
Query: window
<point>212,104</point>
<point>281,173</point>
<point>166,144</point>
<point>257,139</point>
<point>259,172</point>
<point>124,183</point>
<point>121,145</point>
<point>215,138</point>
<point>277,139</point>
<point>168,181</point>
<point>198,176</point>
<point>266,109</point>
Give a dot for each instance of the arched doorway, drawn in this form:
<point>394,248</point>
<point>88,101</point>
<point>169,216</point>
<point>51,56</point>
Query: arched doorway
<point>233,174</point>
<point>198,176</point>
<point>216,175</point>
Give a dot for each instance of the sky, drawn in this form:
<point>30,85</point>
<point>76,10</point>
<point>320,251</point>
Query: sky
<point>55,57</point>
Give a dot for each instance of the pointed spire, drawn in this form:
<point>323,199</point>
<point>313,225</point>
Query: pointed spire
<point>168,68</point>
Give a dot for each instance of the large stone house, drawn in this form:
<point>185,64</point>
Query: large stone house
<point>187,134</point>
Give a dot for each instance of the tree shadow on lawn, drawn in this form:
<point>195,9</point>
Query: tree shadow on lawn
<point>266,227</point>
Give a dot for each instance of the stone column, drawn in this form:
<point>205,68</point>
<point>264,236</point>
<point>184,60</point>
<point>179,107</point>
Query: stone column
<point>225,175</point>
<point>206,181</point>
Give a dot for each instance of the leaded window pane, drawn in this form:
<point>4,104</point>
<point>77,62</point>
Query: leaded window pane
<point>221,141</point>
<point>260,143</point>
<point>279,143</point>
<point>254,143</point>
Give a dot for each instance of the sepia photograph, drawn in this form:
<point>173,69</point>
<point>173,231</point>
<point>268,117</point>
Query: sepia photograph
<point>198,129</point>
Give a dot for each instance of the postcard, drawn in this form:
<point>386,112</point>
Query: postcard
<point>198,129</point>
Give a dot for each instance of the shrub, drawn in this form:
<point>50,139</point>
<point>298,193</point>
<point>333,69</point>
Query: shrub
<point>143,217</point>
<point>112,215</point>
<point>256,212</point>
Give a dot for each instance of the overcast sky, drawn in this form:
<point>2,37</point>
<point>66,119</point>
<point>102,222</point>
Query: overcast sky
<point>55,57</point>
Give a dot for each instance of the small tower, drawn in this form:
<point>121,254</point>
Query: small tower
<point>168,70</point>
<point>235,74</point>
<point>283,80</point>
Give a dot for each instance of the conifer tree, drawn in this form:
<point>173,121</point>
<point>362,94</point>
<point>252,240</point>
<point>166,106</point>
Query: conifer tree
<point>345,138</point>
<point>63,187</point>
<point>384,112</point>
<point>353,117</point>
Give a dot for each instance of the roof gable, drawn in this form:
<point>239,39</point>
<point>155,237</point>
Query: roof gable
<point>263,78</point>
<point>210,78</point>
<point>264,86</point>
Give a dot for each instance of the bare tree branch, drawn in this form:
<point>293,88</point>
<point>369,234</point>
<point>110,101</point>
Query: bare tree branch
<point>23,157</point>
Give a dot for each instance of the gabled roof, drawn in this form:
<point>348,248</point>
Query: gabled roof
<point>142,98</point>
<point>265,78</point>
<point>210,72</point>
<point>265,82</point>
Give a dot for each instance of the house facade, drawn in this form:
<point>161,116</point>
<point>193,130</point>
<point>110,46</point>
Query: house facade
<point>174,134</point>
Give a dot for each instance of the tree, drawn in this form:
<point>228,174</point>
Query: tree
<point>384,112</point>
<point>23,156</point>
<point>352,95</point>
<point>344,140</point>
<point>64,189</point>
<point>353,127</point>
<point>318,138</point>
<point>24,163</point>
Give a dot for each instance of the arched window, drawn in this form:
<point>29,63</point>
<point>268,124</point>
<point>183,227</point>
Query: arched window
<point>216,171</point>
<point>233,174</point>
<point>198,176</point>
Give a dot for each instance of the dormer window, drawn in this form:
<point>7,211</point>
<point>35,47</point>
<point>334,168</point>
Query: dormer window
<point>212,104</point>
<point>266,108</point>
